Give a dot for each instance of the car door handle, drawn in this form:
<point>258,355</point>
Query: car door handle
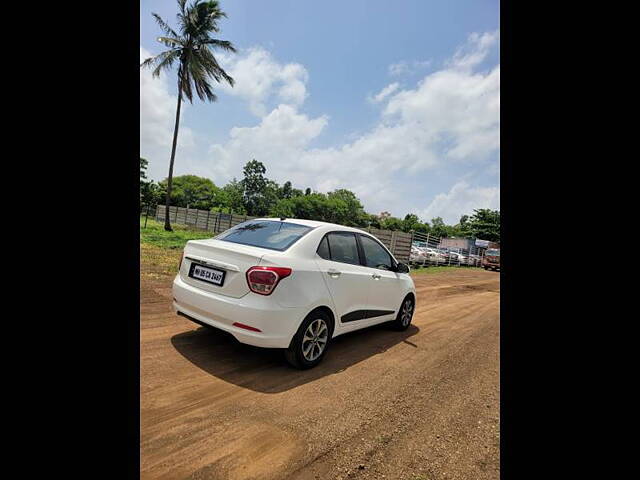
<point>333,273</point>
<point>376,276</point>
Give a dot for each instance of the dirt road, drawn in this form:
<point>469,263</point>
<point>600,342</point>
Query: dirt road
<point>416,405</point>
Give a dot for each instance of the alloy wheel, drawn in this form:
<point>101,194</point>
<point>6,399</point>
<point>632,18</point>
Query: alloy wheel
<point>407,311</point>
<point>315,339</point>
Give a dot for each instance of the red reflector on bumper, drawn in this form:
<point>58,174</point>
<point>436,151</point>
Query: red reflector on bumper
<point>247,327</point>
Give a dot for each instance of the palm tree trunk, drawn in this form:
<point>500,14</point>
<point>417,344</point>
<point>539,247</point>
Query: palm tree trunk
<point>167,223</point>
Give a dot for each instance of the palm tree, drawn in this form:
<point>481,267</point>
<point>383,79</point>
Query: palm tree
<point>192,49</point>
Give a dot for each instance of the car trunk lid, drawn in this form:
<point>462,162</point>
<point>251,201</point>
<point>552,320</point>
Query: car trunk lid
<point>231,258</point>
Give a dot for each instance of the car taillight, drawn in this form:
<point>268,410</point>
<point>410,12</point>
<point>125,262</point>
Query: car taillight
<point>264,280</point>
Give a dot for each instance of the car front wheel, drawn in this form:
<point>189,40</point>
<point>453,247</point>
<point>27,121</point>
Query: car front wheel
<point>405,314</point>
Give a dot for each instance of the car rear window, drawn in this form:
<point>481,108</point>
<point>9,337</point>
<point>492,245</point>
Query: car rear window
<point>493,253</point>
<point>269,234</point>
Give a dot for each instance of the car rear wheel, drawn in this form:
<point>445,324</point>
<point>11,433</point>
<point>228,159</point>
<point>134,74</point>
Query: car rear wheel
<point>311,341</point>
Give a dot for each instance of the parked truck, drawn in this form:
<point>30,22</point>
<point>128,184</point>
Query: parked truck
<point>491,259</point>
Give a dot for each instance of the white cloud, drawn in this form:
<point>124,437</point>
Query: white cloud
<point>451,117</point>
<point>475,50</point>
<point>282,140</point>
<point>157,117</point>
<point>405,67</point>
<point>384,93</point>
<point>260,78</point>
<point>399,68</point>
<point>459,111</point>
<point>277,140</point>
<point>462,199</point>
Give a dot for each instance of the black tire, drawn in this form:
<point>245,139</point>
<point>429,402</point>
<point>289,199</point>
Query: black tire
<point>401,323</point>
<point>295,354</point>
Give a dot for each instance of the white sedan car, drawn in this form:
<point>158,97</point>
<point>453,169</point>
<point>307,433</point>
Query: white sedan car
<point>292,284</point>
<point>417,255</point>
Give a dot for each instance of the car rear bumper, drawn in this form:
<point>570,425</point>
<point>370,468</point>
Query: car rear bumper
<point>277,324</point>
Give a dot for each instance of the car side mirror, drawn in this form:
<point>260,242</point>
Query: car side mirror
<point>402,268</point>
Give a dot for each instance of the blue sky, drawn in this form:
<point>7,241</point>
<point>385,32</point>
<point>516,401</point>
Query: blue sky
<point>397,101</point>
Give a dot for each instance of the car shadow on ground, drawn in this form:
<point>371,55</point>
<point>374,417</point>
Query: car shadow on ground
<point>265,370</point>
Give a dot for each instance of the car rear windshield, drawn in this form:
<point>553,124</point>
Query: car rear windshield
<point>269,234</point>
<point>493,253</point>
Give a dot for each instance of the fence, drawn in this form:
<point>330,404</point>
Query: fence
<point>399,243</point>
<point>429,250</point>
<point>201,219</point>
<point>418,249</point>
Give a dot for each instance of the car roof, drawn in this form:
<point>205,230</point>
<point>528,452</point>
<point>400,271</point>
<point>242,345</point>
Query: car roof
<point>314,224</point>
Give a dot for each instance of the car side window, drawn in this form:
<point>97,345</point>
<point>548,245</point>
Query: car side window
<point>323,249</point>
<point>375,255</point>
<point>343,247</point>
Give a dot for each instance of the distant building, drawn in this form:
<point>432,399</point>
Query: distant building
<point>455,243</point>
<point>470,244</point>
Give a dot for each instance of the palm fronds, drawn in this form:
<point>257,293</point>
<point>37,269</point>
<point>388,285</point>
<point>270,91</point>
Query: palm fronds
<point>164,26</point>
<point>193,49</point>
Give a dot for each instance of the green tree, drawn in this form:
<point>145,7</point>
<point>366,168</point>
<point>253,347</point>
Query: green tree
<point>391,223</point>
<point>422,227</point>
<point>149,190</point>
<point>349,210</point>
<point>439,228</point>
<point>260,193</point>
<point>269,197</point>
<point>410,222</point>
<point>254,184</point>
<point>286,208</point>
<point>372,220</point>
<point>192,191</point>
<point>296,192</point>
<point>485,224</point>
<point>191,49</point>
<point>286,191</point>
<point>462,228</point>
<point>315,206</point>
<point>309,207</point>
<point>232,199</point>
<point>150,193</point>
<point>143,168</point>
<point>340,206</point>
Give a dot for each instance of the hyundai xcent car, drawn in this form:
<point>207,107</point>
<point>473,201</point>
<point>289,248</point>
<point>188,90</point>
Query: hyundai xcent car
<point>292,284</point>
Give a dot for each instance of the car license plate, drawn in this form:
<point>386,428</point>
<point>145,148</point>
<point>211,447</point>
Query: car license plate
<point>207,274</point>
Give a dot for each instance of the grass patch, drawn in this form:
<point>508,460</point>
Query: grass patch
<point>154,234</point>
<point>432,270</point>
<point>160,251</point>
<point>156,262</point>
